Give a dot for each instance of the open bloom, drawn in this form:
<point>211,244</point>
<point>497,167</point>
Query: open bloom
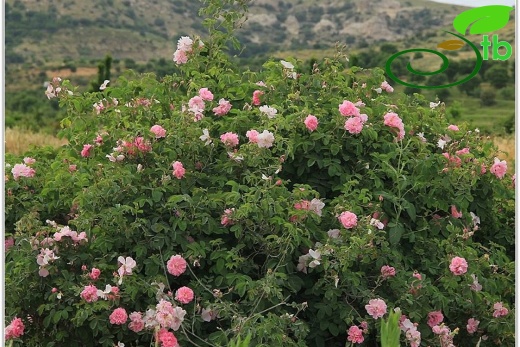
<point>205,94</point>
<point>22,170</point>
<point>118,316</point>
<point>311,122</point>
<point>376,308</point>
<point>15,329</point>
<point>499,310</point>
<point>355,334</point>
<point>387,271</point>
<point>387,87</point>
<point>184,295</point>
<point>472,325</point>
<point>89,293</point>
<point>348,219</point>
<point>223,107</point>
<point>265,139</point>
<point>86,151</point>
<point>455,213</point>
<point>205,137</point>
<point>178,170</point>
<point>127,264</point>
<point>229,139</point>
<point>354,125</point>
<point>458,266</point>
<point>136,322</point>
<point>269,111</point>
<point>348,108</point>
<point>94,273</point>
<point>158,130</point>
<point>499,168</point>
<point>434,318</point>
<point>393,120</point>
<point>252,135</point>
<point>167,338</point>
<point>176,265</point>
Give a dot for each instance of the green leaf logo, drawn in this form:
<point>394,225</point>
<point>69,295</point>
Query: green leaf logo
<point>483,19</point>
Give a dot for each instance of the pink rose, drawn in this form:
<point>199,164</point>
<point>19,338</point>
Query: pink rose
<point>499,168</point>
<point>311,122</point>
<point>455,213</point>
<point>142,145</point>
<point>354,125</point>
<point>223,107</point>
<point>15,329</point>
<point>94,273</point>
<point>29,161</point>
<point>458,266</point>
<point>387,87</point>
<point>180,57</point>
<point>136,322</point>
<point>252,135</point>
<point>434,318</point>
<point>184,295</point>
<point>499,310</point>
<point>118,316</point>
<point>453,127</point>
<point>226,217</point>
<point>348,219</point>
<point>387,271</point>
<point>178,170</point>
<point>22,170</point>
<point>355,335</point>
<point>256,97</point>
<point>392,119</point>
<point>229,139</point>
<point>158,130</point>
<point>205,94</point>
<point>176,265</point>
<point>8,243</point>
<point>348,108</point>
<point>167,338</point>
<point>89,293</point>
<point>376,308</point>
<point>86,151</point>
<point>472,325</point>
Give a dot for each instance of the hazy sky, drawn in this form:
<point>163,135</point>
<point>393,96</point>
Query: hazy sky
<point>477,3</point>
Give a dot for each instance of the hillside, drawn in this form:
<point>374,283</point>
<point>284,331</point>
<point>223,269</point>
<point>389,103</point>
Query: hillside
<point>42,31</point>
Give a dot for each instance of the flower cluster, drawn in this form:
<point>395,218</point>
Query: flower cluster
<point>184,50</point>
<point>15,329</point>
<point>393,120</point>
<point>22,170</point>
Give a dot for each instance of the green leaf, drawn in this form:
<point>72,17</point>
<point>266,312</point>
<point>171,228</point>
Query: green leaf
<point>410,209</point>
<point>482,19</point>
<point>395,234</point>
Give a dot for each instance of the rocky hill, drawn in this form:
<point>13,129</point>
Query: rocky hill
<point>42,31</point>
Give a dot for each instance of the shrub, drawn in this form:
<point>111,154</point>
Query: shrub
<point>293,236</point>
<point>487,97</point>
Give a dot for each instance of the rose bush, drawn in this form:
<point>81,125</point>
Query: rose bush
<point>298,208</point>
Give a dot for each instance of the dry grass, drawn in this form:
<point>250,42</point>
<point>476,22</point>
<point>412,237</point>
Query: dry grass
<point>18,141</point>
<point>507,147</point>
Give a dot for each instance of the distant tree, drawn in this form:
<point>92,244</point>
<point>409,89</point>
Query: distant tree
<point>443,94</point>
<point>411,91</point>
<point>103,73</point>
<point>487,97</point>
<point>471,87</point>
<point>388,48</point>
<point>497,75</point>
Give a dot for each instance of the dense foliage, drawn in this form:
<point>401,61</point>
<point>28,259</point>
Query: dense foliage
<point>300,208</point>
